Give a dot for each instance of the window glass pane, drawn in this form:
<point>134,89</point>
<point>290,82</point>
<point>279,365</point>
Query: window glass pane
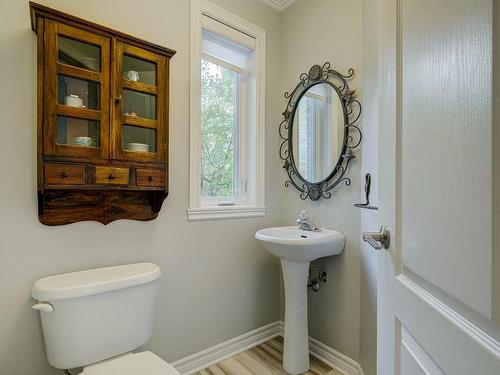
<point>139,70</point>
<point>78,93</point>
<point>139,139</point>
<point>219,124</point>
<point>77,132</point>
<point>79,54</point>
<point>139,104</point>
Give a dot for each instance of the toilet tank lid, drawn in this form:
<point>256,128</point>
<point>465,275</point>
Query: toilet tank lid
<point>94,281</point>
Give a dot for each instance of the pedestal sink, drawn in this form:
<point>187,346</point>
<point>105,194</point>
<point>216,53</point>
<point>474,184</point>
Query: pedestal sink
<point>296,249</point>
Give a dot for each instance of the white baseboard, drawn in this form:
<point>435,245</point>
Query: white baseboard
<point>333,358</point>
<point>228,349</point>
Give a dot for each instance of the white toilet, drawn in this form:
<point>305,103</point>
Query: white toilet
<point>94,319</point>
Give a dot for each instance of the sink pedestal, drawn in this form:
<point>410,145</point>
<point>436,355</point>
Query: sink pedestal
<point>296,248</point>
<point>296,343</point>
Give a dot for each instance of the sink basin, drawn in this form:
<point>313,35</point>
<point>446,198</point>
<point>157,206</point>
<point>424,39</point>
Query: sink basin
<point>296,245</point>
<point>296,249</point>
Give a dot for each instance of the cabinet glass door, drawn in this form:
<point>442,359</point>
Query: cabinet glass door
<point>140,105</point>
<point>77,106</point>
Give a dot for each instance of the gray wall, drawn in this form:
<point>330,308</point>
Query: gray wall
<point>217,282</point>
<point>313,32</point>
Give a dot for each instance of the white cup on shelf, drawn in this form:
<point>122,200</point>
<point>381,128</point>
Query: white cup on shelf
<point>133,75</point>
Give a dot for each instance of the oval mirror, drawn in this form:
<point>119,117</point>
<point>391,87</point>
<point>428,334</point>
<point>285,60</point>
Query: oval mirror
<point>318,132</point>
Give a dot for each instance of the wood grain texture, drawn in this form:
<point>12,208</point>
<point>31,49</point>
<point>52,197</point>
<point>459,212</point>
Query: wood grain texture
<point>74,71</point>
<point>53,110</point>
<point>81,113</point>
<point>149,177</point>
<point>40,90</point>
<point>71,206</point>
<point>103,183</point>
<point>111,176</point>
<point>139,86</point>
<point>264,359</point>
<point>64,174</point>
<point>119,118</point>
<point>139,121</point>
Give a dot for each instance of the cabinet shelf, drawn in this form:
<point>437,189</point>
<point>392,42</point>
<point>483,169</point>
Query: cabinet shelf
<point>98,187</point>
<point>139,86</point>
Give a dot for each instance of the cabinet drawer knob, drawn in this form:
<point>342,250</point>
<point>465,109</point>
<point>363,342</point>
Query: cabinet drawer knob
<point>112,176</point>
<point>150,178</point>
<point>65,174</point>
<point>118,99</point>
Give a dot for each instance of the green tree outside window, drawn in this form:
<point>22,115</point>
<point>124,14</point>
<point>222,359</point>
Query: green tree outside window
<point>218,125</point>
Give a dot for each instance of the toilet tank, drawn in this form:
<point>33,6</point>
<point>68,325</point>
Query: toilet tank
<point>96,314</point>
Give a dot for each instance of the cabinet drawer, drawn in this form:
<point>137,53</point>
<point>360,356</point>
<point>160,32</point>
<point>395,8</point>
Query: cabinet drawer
<point>111,176</point>
<point>63,174</point>
<point>150,177</point>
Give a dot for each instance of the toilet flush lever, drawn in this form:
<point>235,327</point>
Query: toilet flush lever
<point>378,240</point>
<point>45,307</point>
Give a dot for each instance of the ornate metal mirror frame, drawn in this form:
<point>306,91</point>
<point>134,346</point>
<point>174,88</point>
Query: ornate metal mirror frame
<point>351,139</point>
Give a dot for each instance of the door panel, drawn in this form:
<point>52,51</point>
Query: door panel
<point>453,342</point>
<point>445,146</point>
<point>436,280</point>
<point>409,364</point>
<point>414,359</point>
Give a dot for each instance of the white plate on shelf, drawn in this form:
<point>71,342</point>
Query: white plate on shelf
<point>139,147</point>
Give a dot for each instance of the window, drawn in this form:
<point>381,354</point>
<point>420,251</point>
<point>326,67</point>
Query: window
<point>227,115</point>
<point>225,78</point>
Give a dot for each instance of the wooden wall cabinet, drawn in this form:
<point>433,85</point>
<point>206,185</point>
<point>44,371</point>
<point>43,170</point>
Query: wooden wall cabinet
<point>102,121</point>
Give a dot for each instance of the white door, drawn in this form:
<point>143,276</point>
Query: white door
<point>439,281</point>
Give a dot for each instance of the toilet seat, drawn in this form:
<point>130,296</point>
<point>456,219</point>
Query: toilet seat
<point>143,363</point>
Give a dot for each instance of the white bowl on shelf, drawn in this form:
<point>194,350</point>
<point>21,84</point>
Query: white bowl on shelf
<point>138,147</point>
<point>73,101</point>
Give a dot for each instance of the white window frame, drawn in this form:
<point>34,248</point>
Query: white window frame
<point>196,211</point>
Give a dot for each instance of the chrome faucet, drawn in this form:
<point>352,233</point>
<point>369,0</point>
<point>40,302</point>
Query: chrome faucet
<point>305,223</point>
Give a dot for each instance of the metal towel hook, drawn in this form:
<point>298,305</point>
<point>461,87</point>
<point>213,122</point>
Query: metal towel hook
<point>366,206</point>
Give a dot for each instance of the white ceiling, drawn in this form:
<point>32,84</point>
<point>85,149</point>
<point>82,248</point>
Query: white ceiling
<point>278,4</point>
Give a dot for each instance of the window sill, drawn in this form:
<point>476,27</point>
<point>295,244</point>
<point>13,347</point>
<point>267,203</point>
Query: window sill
<point>224,212</point>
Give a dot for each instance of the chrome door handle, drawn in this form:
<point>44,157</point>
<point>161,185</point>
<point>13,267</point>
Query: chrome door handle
<point>378,240</point>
